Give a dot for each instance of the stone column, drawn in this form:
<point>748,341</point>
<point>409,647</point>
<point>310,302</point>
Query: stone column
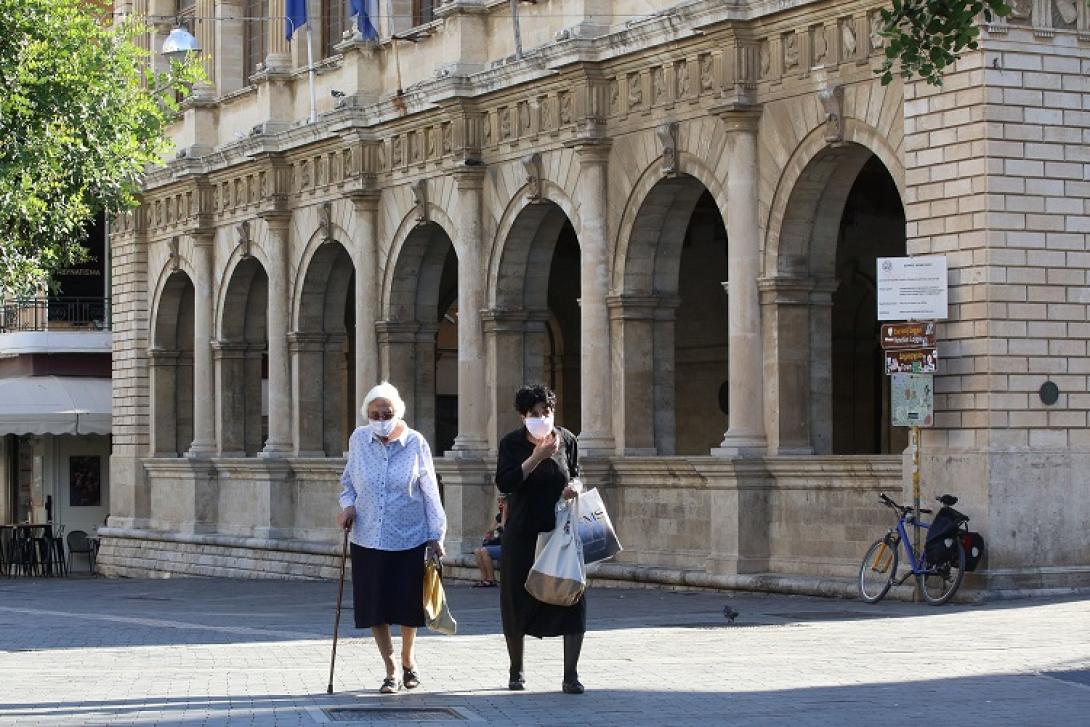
<point>334,394</point>
<point>309,390</point>
<point>231,421</point>
<point>820,365</point>
<point>366,296</point>
<point>397,354</point>
<point>505,337</point>
<point>204,413</point>
<point>786,318</point>
<point>746,431</point>
<point>424,362</point>
<point>632,323</point>
<point>278,56</point>
<point>279,442</point>
<point>163,368</point>
<point>596,411</point>
<point>472,403</point>
<point>205,32</point>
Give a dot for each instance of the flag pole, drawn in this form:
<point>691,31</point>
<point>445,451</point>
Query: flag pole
<point>310,74</point>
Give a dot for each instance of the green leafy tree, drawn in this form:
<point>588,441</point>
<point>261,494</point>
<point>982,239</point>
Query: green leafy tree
<point>925,36</point>
<point>81,116</point>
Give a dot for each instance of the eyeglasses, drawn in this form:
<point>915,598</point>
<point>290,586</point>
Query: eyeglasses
<point>383,416</point>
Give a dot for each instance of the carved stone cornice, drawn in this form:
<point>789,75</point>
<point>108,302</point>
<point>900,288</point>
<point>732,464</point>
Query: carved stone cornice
<point>274,182</point>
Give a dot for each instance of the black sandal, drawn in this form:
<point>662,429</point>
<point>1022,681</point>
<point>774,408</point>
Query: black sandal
<point>575,687</point>
<point>516,683</point>
<point>410,678</point>
<point>390,686</point>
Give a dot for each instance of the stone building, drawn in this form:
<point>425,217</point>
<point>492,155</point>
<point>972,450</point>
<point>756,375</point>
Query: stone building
<point>671,216</point>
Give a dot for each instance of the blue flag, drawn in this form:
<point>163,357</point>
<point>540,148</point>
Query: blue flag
<point>365,10</point>
<point>296,11</point>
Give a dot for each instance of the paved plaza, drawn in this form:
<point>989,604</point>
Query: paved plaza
<point>219,652</point>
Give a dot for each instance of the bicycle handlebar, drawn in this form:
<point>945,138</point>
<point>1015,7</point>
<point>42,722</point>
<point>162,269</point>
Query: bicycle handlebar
<point>902,509</point>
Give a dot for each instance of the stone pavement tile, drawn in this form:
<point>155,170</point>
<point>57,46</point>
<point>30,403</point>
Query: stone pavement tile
<point>207,652</point>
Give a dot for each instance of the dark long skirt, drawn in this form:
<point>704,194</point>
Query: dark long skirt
<point>521,612</point>
<point>388,586</point>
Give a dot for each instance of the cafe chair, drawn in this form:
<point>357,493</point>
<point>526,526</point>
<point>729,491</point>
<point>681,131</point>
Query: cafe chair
<point>58,563</point>
<point>79,544</point>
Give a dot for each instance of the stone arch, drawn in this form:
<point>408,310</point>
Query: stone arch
<point>241,359</point>
<point>533,282</point>
<point>422,262</point>
<point>171,365</point>
<point>801,282</point>
<point>323,350</point>
<point>667,364</point>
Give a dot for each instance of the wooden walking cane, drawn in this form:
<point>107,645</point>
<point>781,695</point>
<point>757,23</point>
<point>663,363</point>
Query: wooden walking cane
<point>337,618</point>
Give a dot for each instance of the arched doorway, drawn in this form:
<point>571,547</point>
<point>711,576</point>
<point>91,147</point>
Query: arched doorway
<point>171,368</point>
<point>671,322</point>
<point>323,355</point>
<point>871,226</point>
<point>829,394</point>
<point>241,362</point>
<point>422,300</point>
<point>532,328</point>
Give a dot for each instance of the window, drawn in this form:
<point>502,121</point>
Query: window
<point>423,11</point>
<point>254,32</point>
<point>335,21</point>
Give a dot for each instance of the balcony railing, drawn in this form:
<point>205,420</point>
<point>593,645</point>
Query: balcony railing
<point>55,314</point>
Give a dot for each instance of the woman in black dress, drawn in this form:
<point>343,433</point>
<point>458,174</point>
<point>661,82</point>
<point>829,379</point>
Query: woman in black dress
<point>536,465</point>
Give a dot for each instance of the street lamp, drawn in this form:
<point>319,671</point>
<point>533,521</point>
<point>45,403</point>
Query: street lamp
<point>179,44</point>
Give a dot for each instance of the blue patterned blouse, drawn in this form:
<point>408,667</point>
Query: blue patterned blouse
<point>394,491</point>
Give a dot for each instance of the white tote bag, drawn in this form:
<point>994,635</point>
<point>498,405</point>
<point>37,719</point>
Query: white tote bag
<point>559,575</point>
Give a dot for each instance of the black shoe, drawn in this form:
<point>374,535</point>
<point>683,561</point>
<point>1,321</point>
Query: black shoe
<point>410,678</point>
<point>390,686</point>
<point>516,683</point>
<point>572,687</point>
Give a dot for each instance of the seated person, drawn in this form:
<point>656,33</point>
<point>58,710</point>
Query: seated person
<point>488,555</point>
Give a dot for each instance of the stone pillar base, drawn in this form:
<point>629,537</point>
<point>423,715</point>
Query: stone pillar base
<point>469,498</point>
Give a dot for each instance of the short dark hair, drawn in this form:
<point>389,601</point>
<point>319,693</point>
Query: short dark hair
<point>531,395</point>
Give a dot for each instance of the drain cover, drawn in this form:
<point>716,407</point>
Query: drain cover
<point>372,715</point>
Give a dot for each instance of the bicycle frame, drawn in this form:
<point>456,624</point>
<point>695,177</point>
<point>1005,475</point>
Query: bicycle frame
<point>903,532</point>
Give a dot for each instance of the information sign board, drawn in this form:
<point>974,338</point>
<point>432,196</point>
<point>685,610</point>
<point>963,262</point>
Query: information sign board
<point>912,400</point>
<point>912,288</point>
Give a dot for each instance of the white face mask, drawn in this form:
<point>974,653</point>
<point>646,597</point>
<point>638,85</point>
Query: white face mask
<point>539,427</point>
<point>384,427</point>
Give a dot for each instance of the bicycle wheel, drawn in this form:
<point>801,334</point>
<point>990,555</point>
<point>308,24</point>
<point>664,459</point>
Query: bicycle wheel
<point>877,570</point>
<point>938,584</point>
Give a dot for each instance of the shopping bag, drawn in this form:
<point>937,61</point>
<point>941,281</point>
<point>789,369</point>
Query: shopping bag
<point>436,610</point>
<point>595,529</point>
<point>559,575</point>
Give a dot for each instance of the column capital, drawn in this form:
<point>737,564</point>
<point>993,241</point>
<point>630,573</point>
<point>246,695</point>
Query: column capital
<point>364,200</point>
<point>202,238</point>
<point>468,177</point>
<point>163,356</point>
<point>739,118</point>
<point>229,349</point>
<point>276,220</point>
<point>591,150</point>
<point>396,331</point>
<point>504,321</point>
<point>299,341</point>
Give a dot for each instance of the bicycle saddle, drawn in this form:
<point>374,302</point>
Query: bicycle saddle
<point>948,500</point>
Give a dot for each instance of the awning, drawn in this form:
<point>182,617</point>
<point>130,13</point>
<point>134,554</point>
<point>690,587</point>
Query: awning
<point>55,405</point>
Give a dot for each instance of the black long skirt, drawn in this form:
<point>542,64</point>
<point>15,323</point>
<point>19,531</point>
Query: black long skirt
<point>521,612</point>
<point>388,586</point>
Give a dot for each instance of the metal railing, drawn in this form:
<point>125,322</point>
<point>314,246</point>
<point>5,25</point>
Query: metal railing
<point>52,314</point>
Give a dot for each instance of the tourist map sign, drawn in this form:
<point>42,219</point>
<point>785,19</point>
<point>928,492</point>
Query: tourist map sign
<point>912,288</point>
<point>913,400</point>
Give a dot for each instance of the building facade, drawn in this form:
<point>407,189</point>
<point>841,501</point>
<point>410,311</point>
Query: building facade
<point>671,217</point>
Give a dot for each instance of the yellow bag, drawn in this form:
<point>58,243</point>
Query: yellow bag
<point>436,611</point>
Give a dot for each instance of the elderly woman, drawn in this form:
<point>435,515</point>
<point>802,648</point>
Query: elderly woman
<point>537,464</point>
<point>390,500</point>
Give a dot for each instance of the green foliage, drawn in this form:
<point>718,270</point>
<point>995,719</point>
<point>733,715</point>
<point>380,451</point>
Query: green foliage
<point>81,117</point>
<point>925,36</point>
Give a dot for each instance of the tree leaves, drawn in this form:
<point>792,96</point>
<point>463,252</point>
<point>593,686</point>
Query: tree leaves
<point>81,117</point>
<point>924,37</point>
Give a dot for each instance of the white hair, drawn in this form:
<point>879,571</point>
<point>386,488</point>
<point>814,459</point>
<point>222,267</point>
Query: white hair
<point>387,391</point>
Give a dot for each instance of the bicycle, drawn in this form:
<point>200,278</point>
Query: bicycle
<point>938,583</point>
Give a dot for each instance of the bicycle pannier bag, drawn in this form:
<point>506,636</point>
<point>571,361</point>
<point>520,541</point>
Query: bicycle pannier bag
<point>940,548</point>
<point>973,543</point>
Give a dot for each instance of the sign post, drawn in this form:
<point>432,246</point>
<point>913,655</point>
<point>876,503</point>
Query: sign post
<point>912,289</point>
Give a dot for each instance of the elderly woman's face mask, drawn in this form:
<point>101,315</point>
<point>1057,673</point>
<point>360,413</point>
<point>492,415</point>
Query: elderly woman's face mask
<point>382,418</point>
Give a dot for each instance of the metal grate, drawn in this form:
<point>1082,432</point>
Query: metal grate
<point>371,715</point>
